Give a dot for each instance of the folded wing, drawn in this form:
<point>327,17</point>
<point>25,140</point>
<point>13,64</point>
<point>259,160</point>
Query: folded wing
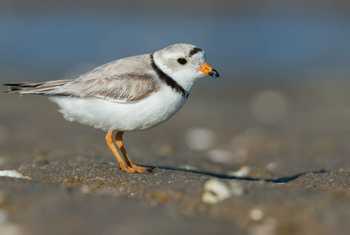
<point>119,88</point>
<point>129,87</point>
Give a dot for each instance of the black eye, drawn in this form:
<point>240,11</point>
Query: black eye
<point>182,61</point>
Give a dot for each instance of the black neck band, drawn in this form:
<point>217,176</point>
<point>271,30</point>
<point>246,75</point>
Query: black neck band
<point>168,80</point>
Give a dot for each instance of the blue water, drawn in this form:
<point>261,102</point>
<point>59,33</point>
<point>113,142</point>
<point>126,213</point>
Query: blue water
<point>269,42</point>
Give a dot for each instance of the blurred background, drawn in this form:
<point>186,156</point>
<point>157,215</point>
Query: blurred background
<point>281,107</point>
<point>267,39</point>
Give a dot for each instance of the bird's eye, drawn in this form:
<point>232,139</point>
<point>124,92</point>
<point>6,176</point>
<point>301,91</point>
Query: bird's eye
<point>182,61</point>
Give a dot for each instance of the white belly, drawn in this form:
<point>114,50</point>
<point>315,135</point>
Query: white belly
<point>107,115</point>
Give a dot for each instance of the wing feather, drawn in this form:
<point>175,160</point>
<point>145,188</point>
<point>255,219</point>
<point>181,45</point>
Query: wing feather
<point>125,80</point>
<point>120,88</point>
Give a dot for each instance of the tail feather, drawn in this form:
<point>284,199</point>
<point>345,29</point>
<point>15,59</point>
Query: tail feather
<point>36,88</point>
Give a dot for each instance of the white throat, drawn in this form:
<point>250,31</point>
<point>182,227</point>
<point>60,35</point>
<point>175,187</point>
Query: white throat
<point>184,78</point>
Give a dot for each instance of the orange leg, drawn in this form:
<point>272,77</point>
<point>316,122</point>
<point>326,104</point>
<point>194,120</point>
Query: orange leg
<point>110,143</point>
<point>131,166</point>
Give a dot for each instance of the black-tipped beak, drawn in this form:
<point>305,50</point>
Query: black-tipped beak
<point>207,69</point>
<point>214,74</point>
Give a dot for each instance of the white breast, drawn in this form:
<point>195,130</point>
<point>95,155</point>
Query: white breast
<point>107,115</point>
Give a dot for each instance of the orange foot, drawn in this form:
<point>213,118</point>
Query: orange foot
<point>134,169</point>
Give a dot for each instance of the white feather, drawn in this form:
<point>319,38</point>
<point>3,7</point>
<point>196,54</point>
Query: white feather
<point>107,115</point>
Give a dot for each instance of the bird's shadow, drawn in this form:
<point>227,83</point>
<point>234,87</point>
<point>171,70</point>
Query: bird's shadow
<point>278,180</point>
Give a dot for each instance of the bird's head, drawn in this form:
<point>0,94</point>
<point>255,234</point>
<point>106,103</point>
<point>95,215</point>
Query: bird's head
<point>184,63</point>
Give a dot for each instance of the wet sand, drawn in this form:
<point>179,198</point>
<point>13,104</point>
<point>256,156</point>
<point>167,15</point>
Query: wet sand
<point>281,153</point>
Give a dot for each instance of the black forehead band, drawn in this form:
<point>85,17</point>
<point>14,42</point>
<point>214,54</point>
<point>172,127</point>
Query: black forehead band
<point>195,51</point>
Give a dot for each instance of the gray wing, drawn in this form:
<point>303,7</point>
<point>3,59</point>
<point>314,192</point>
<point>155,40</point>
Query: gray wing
<point>125,80</point>
<point>126,88</point>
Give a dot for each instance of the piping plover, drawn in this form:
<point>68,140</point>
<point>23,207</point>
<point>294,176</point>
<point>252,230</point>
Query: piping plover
<point>128,94</point>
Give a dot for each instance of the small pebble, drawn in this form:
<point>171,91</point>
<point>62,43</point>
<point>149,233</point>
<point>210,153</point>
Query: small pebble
<point>242,172</point>
<point>256,214</point>
<point>12,174</point>
<point>215,191</point>
<point>200,139</point>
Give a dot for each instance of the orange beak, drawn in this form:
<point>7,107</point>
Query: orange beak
<point>207,69</point>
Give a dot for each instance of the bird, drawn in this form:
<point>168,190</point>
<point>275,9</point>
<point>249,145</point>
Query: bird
<point>127,94</point>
